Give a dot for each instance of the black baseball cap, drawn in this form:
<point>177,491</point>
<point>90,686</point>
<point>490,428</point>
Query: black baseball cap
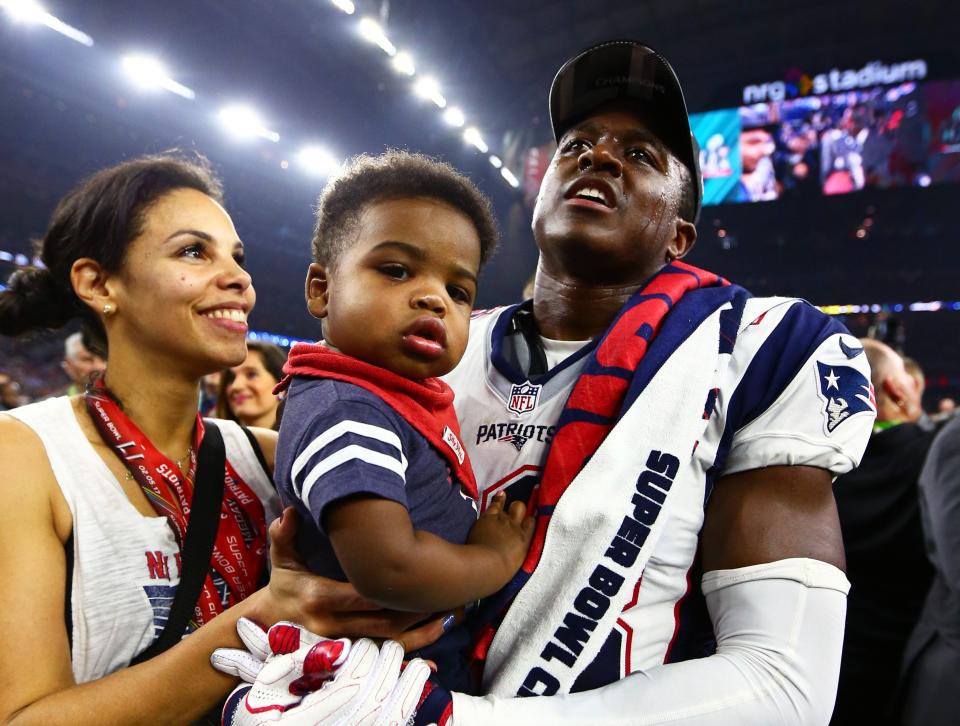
<point>630,71</point>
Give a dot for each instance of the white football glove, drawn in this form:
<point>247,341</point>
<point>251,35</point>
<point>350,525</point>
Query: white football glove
<point>300,679</point>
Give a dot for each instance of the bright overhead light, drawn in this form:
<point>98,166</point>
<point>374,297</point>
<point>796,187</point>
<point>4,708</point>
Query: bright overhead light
<point>243,122</point>
<point>372,32</point>
<point>473,137</point>
<point>148,73</point>
<point>403,63</point>
<point>495,161</point>
<point>30,11</point>
<point>344,5</point>
<point>317,160</point>
<point>24,11</point>
<point>429,88</point>
<point>69,31</point>
<point>454,116</point>
<point>508,175</point>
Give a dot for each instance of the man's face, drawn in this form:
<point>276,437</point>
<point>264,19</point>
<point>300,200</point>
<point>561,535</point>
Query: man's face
<point>80,363</point>
<point>607,208</point>
<point>754,145</point>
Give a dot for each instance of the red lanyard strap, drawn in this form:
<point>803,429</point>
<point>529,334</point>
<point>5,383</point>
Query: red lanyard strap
<point>165,486</point>
<point>198,545</point>
<point>238,553</point>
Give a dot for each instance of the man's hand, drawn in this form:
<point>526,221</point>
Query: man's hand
<point>327,606</point>
<point>306,680</point>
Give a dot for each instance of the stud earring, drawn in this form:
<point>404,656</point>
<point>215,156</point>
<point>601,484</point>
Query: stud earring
<point>107,308</point>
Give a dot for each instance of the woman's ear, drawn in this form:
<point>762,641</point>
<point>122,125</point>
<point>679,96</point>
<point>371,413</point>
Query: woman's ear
<point>91,284</point>
<point>317,290</point>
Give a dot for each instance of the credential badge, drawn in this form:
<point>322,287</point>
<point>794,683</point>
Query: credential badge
<point>523,398</point>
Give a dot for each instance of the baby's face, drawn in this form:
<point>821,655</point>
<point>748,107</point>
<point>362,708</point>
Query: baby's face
<point>400,296</point>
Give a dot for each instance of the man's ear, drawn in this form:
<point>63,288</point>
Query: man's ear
<point>895,392</point>
<point>92,285</point>
<point>684,237</point>
<point>316,290</point>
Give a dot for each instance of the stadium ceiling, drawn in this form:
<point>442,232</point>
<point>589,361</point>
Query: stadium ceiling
<point>67,109</point>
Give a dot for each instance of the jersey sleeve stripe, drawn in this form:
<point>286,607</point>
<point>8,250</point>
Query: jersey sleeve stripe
<point>778,360</point>
<point>340,429</point>
<point>351,453</point>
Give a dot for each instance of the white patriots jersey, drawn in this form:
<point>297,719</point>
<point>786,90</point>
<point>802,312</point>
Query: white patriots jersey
<point>792,390</point>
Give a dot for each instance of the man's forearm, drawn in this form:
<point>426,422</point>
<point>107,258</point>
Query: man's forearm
<point>779,639</point>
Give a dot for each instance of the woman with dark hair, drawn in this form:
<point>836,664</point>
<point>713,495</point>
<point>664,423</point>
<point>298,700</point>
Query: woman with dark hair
<point>98,488</point>
<point>246,391</point>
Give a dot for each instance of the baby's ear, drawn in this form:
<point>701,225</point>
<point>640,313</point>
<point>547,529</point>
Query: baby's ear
<point>316,289</point>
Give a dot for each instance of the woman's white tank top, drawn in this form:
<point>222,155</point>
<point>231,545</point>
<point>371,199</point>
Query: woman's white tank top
<point>125,565</point>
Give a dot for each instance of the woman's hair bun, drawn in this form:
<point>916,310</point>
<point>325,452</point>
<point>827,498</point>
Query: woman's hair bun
<point>34,300</point>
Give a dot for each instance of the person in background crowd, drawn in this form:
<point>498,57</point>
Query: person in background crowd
<point>209,394</point>
<point>79,363</point>
<point>245,392</point>
<point>758,180</point>
<point>91,533</point>
<point>880,519</point>
<point>10,396</point>
<point>946,407</point>
<point>931,662</point>
<point>919,378</point>
<point>842,153</point>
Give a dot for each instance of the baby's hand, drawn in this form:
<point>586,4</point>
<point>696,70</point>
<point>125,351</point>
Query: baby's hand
<point>507,532</point>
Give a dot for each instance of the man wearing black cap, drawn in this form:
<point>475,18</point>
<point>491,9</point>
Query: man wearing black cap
<point>676,438</point>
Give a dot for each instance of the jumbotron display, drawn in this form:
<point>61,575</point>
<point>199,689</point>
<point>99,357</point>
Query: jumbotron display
<point>892,136</point>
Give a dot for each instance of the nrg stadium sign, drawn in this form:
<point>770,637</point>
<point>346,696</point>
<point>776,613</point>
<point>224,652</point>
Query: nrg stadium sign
<point>797,83</point>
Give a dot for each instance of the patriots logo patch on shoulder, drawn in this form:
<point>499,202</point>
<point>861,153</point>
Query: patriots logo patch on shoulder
<point>523,398</point>
<point>845,391</point>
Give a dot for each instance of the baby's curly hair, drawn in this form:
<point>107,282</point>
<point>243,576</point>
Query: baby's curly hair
<point>395,174</point>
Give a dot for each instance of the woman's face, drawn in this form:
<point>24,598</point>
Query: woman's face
<point>250,393</point>
<point>182,294</point>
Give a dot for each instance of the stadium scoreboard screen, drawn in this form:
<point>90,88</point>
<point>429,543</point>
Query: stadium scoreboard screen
<point>797,142</point>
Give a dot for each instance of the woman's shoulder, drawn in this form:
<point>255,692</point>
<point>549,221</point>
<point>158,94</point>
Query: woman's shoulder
<point>28,472</point>
<point>20,440</point>
<point>260,441</point>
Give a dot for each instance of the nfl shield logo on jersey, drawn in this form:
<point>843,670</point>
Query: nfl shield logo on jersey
<point>846,392</point>
<point>523,398</point>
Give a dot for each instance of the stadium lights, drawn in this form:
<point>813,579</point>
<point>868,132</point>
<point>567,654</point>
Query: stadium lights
<point>372,32</point>
<point>403,63</point>
<point>317,160</point>
<point>430,89</point>
<point>508,175</point>
<point>454,116</point>
<point>424,87</point>
<point>30,11</point>
<point>244,123</point>
<point>24,11</point>
<point>148,73</point>
<point>473,137</point>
